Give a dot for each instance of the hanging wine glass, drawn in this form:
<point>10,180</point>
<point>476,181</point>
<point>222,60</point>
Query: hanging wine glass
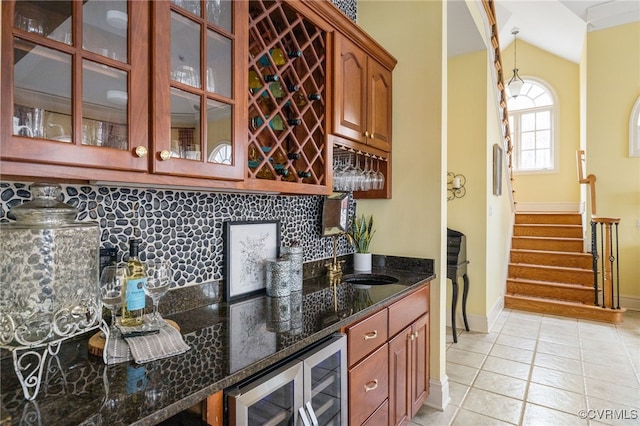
<point>379,178</point>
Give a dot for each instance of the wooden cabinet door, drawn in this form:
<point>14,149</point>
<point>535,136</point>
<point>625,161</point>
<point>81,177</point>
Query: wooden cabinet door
<point>419,363</point>
<point>199,89</point>
<point>379,106</point>
<point>75,85</point>
<point>399,375</point>
<point>350,96</point>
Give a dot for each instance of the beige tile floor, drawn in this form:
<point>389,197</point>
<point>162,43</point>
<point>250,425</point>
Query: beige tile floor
<point>543,370</point>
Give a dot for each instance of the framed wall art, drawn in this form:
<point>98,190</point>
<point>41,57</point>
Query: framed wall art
<point>497,169</point>
<point>247,245</point>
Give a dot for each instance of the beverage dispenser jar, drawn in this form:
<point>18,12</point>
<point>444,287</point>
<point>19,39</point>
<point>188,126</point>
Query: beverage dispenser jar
<point>49,290</point>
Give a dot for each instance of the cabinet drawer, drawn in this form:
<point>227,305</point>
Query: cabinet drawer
<point>365,336</point>
<point>407,310</point>
<point>380,417</point>
<point>368,385</point>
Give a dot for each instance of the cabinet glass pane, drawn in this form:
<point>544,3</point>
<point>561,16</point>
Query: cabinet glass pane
<point>104,106</point>
<point>185,125</point>
<point>219,13</point>
<point>192,6</point>
<point>218,64</point>
<point>104,28</point>
<point>325,390</point>
<point>277,408</point>
<point>185,50</point>
<point>42,92</point>
<point>47,18</point>
<point>218,132</point>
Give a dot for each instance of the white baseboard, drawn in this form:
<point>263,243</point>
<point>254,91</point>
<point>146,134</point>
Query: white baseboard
<point>480,323</point>
<point>550,207</point>
<point>438,394</point>
<point>631,303</point>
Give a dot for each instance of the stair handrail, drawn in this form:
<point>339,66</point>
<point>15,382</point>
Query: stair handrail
<point>503,112</point>
<point>589,180</point>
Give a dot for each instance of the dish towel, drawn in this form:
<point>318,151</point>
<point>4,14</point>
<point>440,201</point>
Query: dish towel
<point>150,347</point>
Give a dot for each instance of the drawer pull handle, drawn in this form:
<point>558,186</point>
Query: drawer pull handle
<point>371,335</point>
<point>372,385</point>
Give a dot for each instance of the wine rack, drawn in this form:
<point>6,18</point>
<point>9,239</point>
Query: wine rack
<point>287,87</point>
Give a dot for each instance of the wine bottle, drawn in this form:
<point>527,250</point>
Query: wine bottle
<point>293,88</point>
<point>270,77</point>
<point>276,123</point>
<point>276,89</point>
<point>276,54</point>
<point>294,121</point>
<point>254,81</point>
<point>293,155</point>
<point>304,174</point>
<point>294,54</point>
<point>133,307</point>
<point>281,170</point>
<point>314,97</point>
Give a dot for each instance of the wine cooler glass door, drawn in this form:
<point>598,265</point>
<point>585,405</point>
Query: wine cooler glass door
<point>271,400</point>
<point>325,384</point>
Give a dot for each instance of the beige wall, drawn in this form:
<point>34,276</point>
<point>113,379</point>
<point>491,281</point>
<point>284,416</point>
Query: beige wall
<point>563,78</point>
<point>413,222</point>
<point>612,86</point>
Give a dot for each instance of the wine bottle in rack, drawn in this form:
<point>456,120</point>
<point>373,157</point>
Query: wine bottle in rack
<point>314,97</point>
<point>304,174</point>
<point>293,156</point>
<point>294,54</point>
<point>293,88</point>
<point>294,121</point>
<point>276,89</point>
<point>270,77</point>
<point>275,123</point>
<point>254,81</point>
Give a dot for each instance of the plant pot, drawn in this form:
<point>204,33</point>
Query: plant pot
<point>362,262</point>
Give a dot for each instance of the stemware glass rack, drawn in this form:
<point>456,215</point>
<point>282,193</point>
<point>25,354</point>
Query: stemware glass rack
<point>287,77</point>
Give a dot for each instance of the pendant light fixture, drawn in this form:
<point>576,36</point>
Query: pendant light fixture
<point>516,83</point>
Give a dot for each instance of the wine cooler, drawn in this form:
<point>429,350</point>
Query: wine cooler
<point>308,390</point>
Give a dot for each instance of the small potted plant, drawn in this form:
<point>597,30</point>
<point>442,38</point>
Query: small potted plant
<point>362,231</point>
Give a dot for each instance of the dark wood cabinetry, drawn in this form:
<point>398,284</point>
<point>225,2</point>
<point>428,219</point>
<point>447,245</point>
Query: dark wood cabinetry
<point>400,334</point>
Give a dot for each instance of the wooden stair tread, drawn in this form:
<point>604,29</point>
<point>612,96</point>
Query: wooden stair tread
<point>552,284</point>
<point>558,268</point>
<point>536,237</point>
<point>552,252</point>
<point>563,308</point>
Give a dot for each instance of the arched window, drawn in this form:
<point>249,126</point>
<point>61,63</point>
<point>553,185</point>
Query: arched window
<point>531,121</point>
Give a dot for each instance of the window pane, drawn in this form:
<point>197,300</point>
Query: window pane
<point>521,102</point>
<point>543,139</point>
<point>528,141</point>
<point>527,159</point>
<point>543,120</point>
<point>104,28</point>
<point>51,19</point>
<point>42,92</point>
<point>192,6</point>
<point>528,122</point>
<point>543,159</point>
<point>185,125</point>
<point>104,106</point>
<point>543,100</point>
<point>535,91</point>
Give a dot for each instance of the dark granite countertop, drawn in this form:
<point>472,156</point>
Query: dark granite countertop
<point>229,343</point>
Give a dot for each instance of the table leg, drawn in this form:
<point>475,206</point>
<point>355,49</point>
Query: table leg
<point>454,302</point>
<point>465,291</point>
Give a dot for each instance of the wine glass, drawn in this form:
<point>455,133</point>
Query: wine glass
<point>156,286</point>
<point>111,282</point>
<point>380,177</point>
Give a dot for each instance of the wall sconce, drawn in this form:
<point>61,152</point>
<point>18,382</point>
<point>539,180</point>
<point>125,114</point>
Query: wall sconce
<point>455,186</point>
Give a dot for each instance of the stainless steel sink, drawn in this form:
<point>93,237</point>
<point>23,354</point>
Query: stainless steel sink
<point>369,279</point>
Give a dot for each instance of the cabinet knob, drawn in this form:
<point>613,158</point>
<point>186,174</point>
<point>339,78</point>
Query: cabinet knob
<point>372,385</point>
<point>141,151</point>
<point>372,135</point>
<point>366,134</point>
<point>165,155</point>
<point>371,335</point>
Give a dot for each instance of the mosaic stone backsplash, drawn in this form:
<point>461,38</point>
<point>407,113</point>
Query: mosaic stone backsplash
<point>185,227</point>
<point>349,7</point>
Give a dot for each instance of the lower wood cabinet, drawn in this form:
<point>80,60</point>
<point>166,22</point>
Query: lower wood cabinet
<point>393,341</point>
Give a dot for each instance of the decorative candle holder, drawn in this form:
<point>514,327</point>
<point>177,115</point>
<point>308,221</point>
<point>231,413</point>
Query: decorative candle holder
<point>294,254</point>
<point>277,277</point>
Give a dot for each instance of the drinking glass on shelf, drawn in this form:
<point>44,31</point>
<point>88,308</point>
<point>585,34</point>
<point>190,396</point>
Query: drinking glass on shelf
<point>111,292</point>
<point>156,286</point>
<point>379,177</point>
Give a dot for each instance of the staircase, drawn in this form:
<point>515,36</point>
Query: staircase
<point>549,272</point>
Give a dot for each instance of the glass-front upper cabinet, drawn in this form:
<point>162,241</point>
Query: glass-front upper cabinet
<point>77,84</point>
<point>197,55</point>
